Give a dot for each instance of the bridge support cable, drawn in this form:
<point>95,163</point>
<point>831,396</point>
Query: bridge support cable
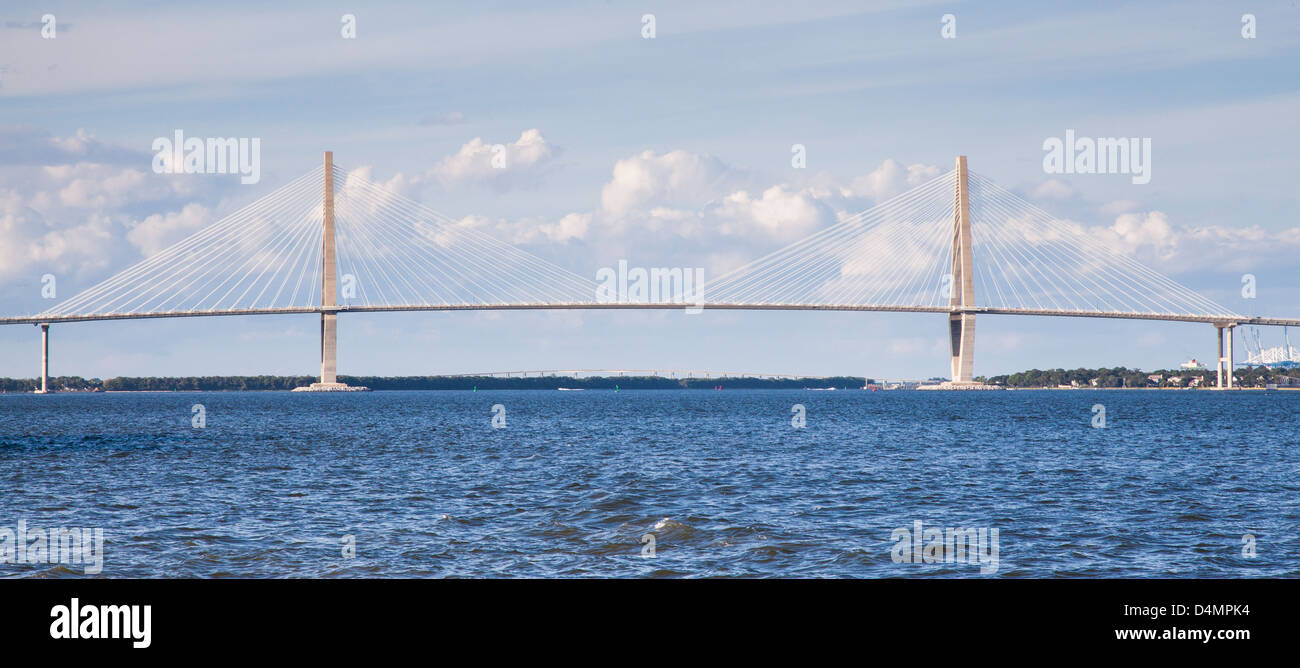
<point>1026,258</point>
<point>958,244</point>
<point>893,254</point>
<point>399,252</point>
<point>253,258</point>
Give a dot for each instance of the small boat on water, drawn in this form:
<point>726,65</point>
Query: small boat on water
<point>570,389</point>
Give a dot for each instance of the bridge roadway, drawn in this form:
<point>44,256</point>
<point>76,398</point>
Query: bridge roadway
<point>1220,320</point>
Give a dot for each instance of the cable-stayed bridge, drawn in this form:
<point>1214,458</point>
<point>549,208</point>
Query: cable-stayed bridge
<point>329,242</point>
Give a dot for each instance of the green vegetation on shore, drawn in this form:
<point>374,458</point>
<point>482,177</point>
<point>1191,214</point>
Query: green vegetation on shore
<point>264,383</point>
<point>1118,377</point>
<point>1135,378</point>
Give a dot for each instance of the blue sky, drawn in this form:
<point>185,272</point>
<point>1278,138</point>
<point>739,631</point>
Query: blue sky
<point>707,109</point>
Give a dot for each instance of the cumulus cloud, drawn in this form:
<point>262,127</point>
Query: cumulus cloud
<point>652,201</point>
<point>73,211</point>
<point>67,205</point>
<point>891,178</point>
<point>161,230</point>
<point>500,165</point>
<point>89,185</point>
<point>675,204</point>
<point>1132,231</point>
<point>678,203</point>
<point>526,231</point>
<point>25,145</point>
<point>696,196</point>
<point>1151,238</point>
<point>673,179</point>
<point>31,244</point>
<point>1053,189</point>
<point>694,209</point>
<point>399,183</point>
<point>780,213</point>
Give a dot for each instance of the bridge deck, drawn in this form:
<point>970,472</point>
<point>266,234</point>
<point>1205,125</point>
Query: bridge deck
<point>1172,317</point>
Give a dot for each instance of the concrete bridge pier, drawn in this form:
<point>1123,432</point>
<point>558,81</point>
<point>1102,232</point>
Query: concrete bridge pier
<point>961,330</point>
<point>1223,358</point>
<point>329,348</point>
<point>329,381</point>
<point>45,358</point>
<point>961,323</point>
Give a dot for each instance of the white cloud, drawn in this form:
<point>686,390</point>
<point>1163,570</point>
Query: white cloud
<point>530,230</point>
<point>673,179</point>
<point>398,184</point>
<point>65,203</point>
<point>1053,189</point>
<point>572,226</point>
<point>481,162</point>
<point>892,178</point>
<point>780,213</point>
<point>159,231</point>
<point>26,145</point>
<point>681,208</point>
<point>1150,238</point>
<point>1132,231</point>
<point>32,245</point>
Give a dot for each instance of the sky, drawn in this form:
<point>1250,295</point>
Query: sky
<point>674,151</point>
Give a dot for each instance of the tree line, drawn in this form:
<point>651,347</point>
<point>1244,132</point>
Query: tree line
<point>1121,377</point>
<point>282,383</point>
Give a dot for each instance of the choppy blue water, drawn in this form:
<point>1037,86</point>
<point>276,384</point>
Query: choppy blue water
<point>427,487</point>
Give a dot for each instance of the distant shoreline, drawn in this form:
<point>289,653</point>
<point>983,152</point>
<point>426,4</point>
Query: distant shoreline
<point>469,383</point>
<point>1259,378</point>
<point>76,384</point>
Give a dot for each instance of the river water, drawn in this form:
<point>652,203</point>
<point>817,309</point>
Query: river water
<point>421,484</point>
